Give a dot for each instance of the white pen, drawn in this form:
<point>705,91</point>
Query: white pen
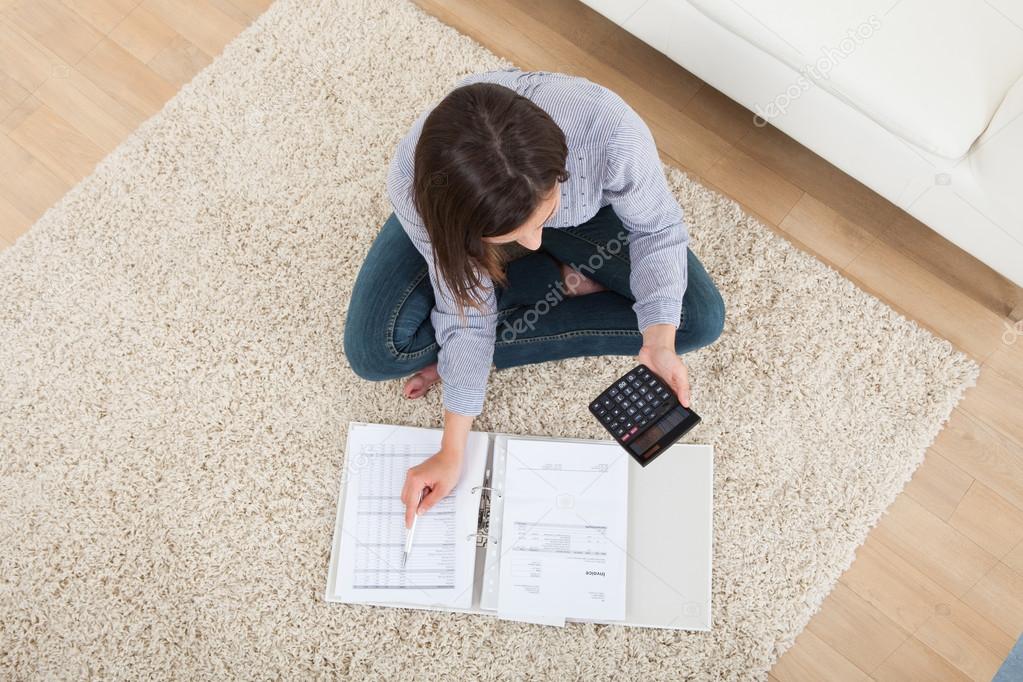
<point>412,530</point>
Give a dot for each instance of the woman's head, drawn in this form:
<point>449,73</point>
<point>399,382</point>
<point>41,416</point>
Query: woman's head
<point>487,168</point>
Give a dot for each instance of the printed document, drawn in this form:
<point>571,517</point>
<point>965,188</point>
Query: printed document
<point>440,566</point>
<point>563,541</point>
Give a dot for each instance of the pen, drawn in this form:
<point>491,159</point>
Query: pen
<point>412,530</point>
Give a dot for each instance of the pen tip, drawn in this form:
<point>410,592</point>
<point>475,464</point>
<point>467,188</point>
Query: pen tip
<point>404,558</point>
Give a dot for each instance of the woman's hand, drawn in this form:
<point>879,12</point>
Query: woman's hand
<point>437,476</point>
<point>658,353</point>
<point>433,479</point>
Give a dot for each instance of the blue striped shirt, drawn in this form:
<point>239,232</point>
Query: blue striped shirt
<point>612,159</point>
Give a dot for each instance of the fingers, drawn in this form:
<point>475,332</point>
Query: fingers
<point>410,495</point>
<point>432,497</point>
<point>410,512</point>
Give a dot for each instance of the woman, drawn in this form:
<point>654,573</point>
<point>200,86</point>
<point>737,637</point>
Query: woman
<point>566,172</point>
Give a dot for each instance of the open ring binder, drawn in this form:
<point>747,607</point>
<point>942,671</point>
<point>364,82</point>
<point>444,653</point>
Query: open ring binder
<point>667,584</point>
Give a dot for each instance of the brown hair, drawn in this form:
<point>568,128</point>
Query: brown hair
<point>485,159</point>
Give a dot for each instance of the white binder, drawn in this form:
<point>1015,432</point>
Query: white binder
<point>669,538</point>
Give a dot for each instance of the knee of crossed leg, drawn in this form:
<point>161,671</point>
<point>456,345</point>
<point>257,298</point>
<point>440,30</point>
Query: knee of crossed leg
<point>367,355</point>
<point>713,319</point>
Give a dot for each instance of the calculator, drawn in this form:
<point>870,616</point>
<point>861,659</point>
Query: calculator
<point>643,414</point>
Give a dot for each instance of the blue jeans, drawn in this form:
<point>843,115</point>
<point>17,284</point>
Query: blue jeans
<point>388,333</point>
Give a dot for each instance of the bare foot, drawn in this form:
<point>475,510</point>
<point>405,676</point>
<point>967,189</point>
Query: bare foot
<point>578,284</point>
<point>419,383</point>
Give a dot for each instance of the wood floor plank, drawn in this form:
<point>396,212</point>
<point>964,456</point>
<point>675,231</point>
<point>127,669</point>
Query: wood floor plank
<point>983,453</point>
<point>895,586</point>
<point>998,596</point>
<point>19,113</point>
<point>68,153</point>
<point>179,62</point>
<point>946,555</point>
<point>28,185</point>
<point>143,34</point>
<point>856,629</point>
<point>1007,359</point>
<point>90,109</point>
<point>822,231</point>
<point>997,401</point>
<point>1014,559</point>
<point>253,8</point>
<point>989,520</point>
<point>126,79</point>
<point>754,185</point>
<point>102,14</point>
<point>812,660</point>
<point>51,23</point>
<point>201,22</point>
<point>13,223</point>
<point>24,60</point>
<point>914,660</point>
<point>956,267</point>
<point>939,485</point>
<point>12,94</point>
<point>967,640</point>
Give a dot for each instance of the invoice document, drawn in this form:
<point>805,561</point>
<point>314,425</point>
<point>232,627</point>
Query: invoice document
<point>440,567</point>
<point>563,540</point>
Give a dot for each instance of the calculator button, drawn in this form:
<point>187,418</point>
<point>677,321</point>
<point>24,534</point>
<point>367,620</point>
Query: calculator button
<point>626,436</point>
<point>633,430</point>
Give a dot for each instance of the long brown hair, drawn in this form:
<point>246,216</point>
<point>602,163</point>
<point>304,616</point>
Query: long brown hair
<point>485,159</point>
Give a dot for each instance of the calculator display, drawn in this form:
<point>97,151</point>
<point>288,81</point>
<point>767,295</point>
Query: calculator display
<point>655,432</point>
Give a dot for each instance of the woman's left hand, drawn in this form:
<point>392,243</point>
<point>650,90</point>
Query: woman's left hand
<point>658,353</point>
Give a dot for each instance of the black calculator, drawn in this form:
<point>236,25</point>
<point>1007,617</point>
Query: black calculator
<point>643,414</point>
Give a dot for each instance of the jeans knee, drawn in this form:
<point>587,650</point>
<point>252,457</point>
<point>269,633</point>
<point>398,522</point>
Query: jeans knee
<point>707,321</point>
<point>365,357</point>
<point>715,318</point>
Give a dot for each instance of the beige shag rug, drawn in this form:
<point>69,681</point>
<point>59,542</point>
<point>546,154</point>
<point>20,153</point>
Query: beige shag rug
<point>175,399</point>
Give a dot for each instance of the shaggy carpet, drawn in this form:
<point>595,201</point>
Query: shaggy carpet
<point>175,399</point>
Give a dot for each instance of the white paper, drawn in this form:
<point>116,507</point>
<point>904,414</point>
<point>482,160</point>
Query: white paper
<point>563,541</point>
<point>441,564</point>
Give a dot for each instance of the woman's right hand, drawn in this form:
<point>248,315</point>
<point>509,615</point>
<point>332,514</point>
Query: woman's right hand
<point>433,479</point>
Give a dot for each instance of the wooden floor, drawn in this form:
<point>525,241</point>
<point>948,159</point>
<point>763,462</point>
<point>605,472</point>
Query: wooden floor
<point>937,591</point>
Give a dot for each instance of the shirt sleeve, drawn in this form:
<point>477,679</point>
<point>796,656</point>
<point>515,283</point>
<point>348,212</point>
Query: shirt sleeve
<point>466,343</point>
<point>658,237</point>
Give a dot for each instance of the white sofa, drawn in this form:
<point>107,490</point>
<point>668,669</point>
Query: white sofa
<point>921,100</point>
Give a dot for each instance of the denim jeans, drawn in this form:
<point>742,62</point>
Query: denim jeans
<point>388,333</point>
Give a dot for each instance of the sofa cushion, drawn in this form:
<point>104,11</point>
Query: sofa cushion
<point>931,71</point>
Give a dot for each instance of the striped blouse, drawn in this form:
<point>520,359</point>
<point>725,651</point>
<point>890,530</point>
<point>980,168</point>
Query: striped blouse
<point>612,159</point>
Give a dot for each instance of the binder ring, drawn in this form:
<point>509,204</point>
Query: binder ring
<point>493,491</point>
<point>477,536</point>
